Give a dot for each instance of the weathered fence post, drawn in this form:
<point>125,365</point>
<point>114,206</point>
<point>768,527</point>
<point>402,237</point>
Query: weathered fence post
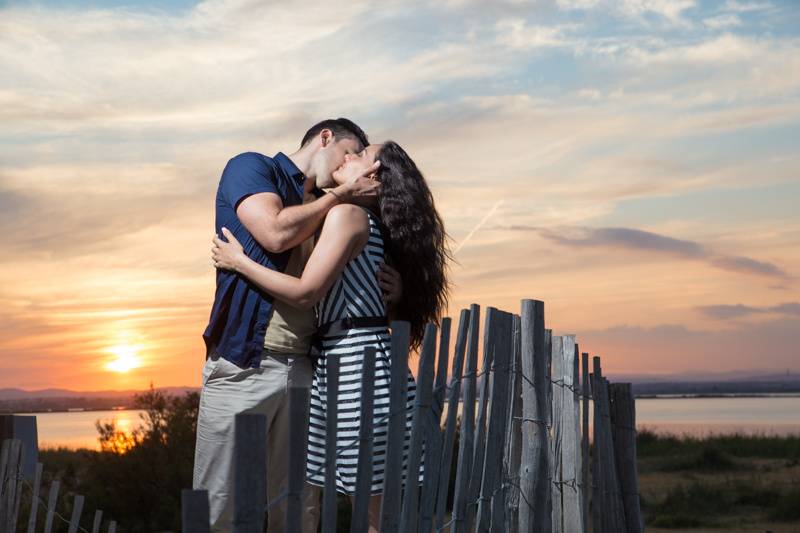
<point>467,435</point>
<point>11,460</point>
<point>452,413</point>
<point>329,496</point>
<point>566,504</point>
<point>37,482</point>
<point>491,509</point>
<point>194,512</point>
<point>513,439</point>
<point>609,516</point>
<point>422,404</point>
<point>586,393</point>
<point>360,519</point>
<point>52,500</point>
<point>576,424</point>
<point>534,484</point>
<point>77,509</point>
<point>490,325</point>
<point>557,409</point>
<point>23,428</point>
<point>548,450</point>
<point>98,519</point>
<point>623,420</point>
<point>298,446</point>
<point>250,476</point>
<point>433,432</point>
<point>398,415</point>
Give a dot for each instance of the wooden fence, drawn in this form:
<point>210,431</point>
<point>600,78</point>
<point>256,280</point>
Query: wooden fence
<point>523,459</point>
<point>15,477</point>
<point>522,463</point>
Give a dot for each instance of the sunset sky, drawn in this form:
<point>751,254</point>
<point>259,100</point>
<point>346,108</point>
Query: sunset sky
<point>632,163</point>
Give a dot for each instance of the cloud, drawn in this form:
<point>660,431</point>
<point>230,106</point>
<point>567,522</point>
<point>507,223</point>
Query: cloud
<point>744,7</point>
<point>718,22</point>
<point>517,34</point>
<point>724,312</point>
<point>646,241</point>
<point>672,10</point>
<point>768,345</point>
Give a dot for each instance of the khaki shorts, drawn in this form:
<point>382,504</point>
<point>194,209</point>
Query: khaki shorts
<point>227,391</point>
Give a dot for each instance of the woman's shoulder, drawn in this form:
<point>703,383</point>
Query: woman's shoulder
<point>348,216</point>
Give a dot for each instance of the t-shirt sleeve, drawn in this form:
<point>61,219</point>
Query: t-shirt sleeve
<point>244,175</point>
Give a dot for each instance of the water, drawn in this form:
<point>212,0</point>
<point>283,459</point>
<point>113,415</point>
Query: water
<point>776,415</point>
<point>76,429</point>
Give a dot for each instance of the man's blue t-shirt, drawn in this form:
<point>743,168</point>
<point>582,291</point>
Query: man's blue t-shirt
<point>241,311</point>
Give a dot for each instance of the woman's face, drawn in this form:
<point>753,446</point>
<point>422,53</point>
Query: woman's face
<point>355,163</point>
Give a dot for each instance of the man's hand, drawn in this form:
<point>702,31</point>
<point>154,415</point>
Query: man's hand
<point>362,186</point>
<point>391,285</point>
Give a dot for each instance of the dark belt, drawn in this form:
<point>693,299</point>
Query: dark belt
<point>337,327</point>
<point>344,324</point>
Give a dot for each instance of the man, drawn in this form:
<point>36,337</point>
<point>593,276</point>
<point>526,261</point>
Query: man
<point>258,347</point>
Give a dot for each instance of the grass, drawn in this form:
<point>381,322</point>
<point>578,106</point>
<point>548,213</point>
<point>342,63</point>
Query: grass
<point>719,481</point>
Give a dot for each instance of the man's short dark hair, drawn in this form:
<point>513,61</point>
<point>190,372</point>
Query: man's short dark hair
<point>340,127</point>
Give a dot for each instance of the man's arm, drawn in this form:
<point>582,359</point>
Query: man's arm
<point>278,228</point>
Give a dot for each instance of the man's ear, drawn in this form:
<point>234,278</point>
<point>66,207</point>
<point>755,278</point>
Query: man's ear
<point>326,137</point>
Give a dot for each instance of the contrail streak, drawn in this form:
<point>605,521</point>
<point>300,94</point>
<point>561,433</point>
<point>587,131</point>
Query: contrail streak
<point>478,226</point>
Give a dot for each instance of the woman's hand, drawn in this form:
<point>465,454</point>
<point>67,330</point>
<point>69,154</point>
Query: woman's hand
<point>391,285</point>
<point>227,255</point>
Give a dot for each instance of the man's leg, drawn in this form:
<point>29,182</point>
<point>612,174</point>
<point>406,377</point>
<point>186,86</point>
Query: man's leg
<point>228,390</point>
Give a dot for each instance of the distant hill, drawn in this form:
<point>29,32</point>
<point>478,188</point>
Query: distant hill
<point>23,401</point>
<point>709,384</point>
<point>706,376</point>
<point>17,394</point>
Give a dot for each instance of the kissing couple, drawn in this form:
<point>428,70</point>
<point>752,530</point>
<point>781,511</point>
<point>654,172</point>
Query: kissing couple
<point>303,276</point>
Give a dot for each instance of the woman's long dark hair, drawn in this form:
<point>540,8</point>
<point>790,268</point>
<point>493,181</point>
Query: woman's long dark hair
<point>414,239</point>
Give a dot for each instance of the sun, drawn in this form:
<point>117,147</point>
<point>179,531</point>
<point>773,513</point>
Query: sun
<point>126,358</point>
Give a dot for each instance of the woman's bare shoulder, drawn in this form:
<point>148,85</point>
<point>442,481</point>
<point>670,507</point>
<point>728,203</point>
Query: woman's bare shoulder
<point>347,215</point>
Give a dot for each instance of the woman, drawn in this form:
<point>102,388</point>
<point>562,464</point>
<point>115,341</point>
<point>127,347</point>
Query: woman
<point>340,281</point>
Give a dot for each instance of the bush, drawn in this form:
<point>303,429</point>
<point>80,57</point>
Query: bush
<point>137,479</point>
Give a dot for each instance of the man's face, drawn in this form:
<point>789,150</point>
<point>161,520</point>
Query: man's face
<point>331,156</point>
<point>354,164</point>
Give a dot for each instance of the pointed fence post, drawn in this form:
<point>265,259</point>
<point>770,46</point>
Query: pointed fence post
<point>513,442</point>
<point>491,509</point>
<point>422,405</point>
<point>586,393</point>
<point>298,446</point>
<point>194,512</point>
<point>490,326</point>
<point>37,482</point>
<point>623,420</point>
<point>360,519</point>
<point>77,509</point>
<point>52,500</point>
<point>467,435</point>
<point>433,439</point>
<point>398,400</point>
<point>329,496</point>
<point>534,483</point>
<point>250,476</point>
<point>98,519</point>
<point>452,413</point>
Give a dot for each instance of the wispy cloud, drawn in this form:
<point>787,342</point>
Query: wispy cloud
<point>646,241</point>
<point>723,311</point>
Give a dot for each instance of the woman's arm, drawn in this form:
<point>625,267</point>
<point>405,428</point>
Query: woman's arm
<point>344,234</point>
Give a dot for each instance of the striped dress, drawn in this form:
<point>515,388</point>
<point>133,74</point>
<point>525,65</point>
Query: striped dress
<point>355,294</point>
